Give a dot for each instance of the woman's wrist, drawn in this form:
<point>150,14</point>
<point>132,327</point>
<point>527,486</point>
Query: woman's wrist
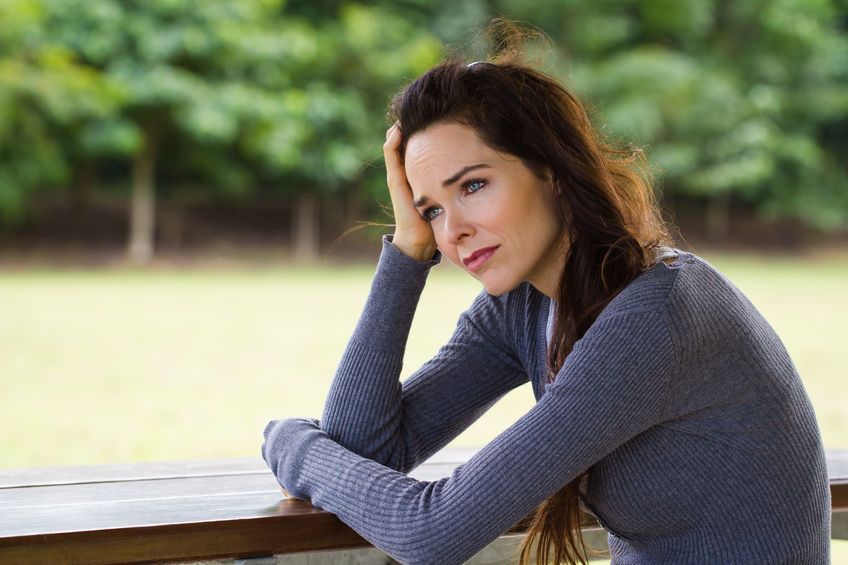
<point>419,251</point>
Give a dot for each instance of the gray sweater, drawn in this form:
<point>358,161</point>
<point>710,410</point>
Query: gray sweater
<point>680,399</point>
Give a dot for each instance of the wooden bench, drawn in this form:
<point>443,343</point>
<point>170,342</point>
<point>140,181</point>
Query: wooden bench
<point>195,510</point>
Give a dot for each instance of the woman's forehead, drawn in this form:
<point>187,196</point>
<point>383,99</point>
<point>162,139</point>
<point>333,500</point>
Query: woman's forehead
<point>436,151</point>
<point>443,139</point>
<point>445,144</point>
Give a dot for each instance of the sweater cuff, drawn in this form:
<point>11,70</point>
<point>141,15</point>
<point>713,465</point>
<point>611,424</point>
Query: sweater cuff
<point>393,255</point>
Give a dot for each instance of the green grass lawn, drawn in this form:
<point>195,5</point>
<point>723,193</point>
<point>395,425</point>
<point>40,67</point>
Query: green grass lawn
<point>120,365</point>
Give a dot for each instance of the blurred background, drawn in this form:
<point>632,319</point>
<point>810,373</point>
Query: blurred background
<point>182,183</point>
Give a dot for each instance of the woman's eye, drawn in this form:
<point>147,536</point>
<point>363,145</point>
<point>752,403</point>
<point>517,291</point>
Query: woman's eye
<point>430,214</point>
<point>473,185</point>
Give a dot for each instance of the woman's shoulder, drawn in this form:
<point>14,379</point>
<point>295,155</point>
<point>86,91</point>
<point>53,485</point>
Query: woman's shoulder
<point>687,286</point>
<point>651,290</point>
<point>676,275</point>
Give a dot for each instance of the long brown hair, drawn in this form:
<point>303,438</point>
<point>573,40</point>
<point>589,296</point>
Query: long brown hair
<point>604,202</point>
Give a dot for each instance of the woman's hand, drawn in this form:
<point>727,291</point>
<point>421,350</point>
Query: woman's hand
<point>413,236</point>
<point>287,443</point>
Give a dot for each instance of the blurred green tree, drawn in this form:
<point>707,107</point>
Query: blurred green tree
<point>44,89</point>
<point>187,76</point>
<point>241,97</point>
<point>733,99</point>
<point>360,54</point>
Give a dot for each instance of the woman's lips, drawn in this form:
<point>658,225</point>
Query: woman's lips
<point>476,259</point>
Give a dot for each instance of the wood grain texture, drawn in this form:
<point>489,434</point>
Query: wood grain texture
<point>191,510</point>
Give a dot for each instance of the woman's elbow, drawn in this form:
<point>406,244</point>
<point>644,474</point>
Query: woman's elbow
<point>429,544</point>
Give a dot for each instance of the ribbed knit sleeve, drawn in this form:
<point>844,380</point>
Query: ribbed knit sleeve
<point>573,425</point>
<point>371,413</point>
<point>680,400</point>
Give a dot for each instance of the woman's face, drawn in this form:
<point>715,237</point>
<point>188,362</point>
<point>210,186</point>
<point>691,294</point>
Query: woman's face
<point>490,214</point>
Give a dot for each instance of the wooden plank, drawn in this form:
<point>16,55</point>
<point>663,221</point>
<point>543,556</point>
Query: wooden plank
<point>837,470</point>
<point>82,493</point>
<point>206,511</point>
<point>14,478</point>
<point>61,517</point>
<point>839,495</point>
<point>105,516</point>
<point>290,532</point>
<point>46,476</point>
<point>88,506</point>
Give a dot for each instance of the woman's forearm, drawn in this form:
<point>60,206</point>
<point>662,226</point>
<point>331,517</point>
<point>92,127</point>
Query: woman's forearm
<point>363,408</point>
<point>371,413</point>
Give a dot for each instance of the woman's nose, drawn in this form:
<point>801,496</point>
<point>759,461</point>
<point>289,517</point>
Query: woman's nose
<point>457,226</point>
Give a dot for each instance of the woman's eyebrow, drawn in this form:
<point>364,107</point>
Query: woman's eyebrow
<point>424,200</point>
<point>461,172</point>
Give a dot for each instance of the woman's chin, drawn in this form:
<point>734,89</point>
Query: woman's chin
<point>492,283</point>
<point>496,287</point>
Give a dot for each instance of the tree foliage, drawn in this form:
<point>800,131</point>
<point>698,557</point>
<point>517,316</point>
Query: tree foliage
<point>239,97</point>
<point>43,90</point>
<point>732,100</point>
<point>748,99</point>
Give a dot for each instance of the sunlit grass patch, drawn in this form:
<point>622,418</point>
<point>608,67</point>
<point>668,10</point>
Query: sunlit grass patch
<point>126,365</point>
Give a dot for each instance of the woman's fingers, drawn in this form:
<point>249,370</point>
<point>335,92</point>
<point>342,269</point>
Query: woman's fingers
<point>391,129</point>
<point>399,188</point>
<point>287,495</point>
<point>400,192</point>
<point>413,236</point>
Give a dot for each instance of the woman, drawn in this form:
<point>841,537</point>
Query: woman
<point>666,405</point>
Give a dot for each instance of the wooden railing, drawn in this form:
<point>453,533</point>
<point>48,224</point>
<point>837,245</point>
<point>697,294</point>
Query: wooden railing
<point>197,510</point>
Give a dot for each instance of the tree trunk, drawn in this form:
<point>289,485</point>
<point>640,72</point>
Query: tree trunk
<point>143,204</point>
<point>305,228</point>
